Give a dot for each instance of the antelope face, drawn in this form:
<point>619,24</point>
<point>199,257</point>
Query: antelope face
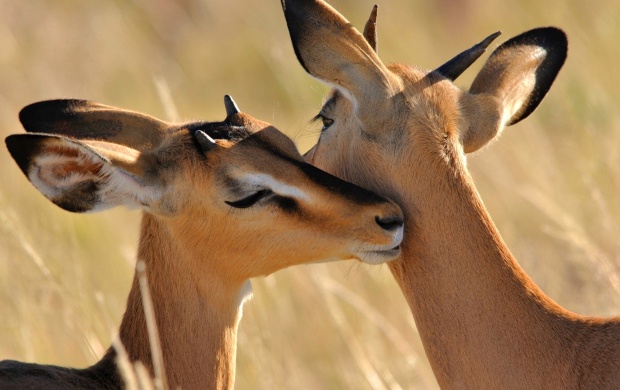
<point>234,187</point>
<point>270,205</point>
<point>390,128</point>
<point>389,149</point>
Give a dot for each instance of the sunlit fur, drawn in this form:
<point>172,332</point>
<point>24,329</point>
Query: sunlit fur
<point>199,251</point>
<point>483,322</point>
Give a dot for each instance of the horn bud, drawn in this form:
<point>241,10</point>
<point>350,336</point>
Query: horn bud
<point>457,65</point>
<point>206,142</point>
<point>231,106</point>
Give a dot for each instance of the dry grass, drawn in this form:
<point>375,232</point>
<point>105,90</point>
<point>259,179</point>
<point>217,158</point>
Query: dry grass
<point>551,183</point>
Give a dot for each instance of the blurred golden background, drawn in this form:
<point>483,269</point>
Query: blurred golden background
<point>551,184</point>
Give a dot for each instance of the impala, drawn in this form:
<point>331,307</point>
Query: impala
<point>404,132</point>
<point>222,202</point>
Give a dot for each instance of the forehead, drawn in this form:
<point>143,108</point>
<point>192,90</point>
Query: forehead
<point>429,103</point>
<point>263,162</point>
<point>417,83</point>
<point>421,82</point>
<point>267,147</point>
<point>245,145</point>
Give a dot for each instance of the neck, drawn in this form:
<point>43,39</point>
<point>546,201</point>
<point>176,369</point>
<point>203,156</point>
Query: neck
<point>197,319</point>
<point>477,312</point>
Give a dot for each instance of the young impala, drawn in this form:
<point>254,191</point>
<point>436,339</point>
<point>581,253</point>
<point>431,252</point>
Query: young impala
<point>222,202</point>
<point>404,132</point>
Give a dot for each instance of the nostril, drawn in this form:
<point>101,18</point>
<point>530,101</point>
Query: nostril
<point>390,223</point>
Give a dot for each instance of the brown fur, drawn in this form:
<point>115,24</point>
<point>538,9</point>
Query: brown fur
<point>483,322</point>
<point>198,251</point>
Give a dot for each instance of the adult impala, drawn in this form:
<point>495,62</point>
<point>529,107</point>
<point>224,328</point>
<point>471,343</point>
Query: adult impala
<point>404,132</point>
<point>222,202</point>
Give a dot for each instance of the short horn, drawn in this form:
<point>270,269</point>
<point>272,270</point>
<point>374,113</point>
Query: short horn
<point>370,30</point>
<point>231,106</point>
<point>453,68</point>
<point>206,142</point>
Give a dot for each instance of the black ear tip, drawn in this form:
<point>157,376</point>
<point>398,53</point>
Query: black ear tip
<point>42,113</point>
<point>555,44</point>
<point>560,40</point>
<point>22,148</point>
<point>29,115</point>
<point>14,143</point>
<point>10,142</point>
<point>552,39</point>
<point>556,34</point>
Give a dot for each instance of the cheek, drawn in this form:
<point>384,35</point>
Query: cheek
<point>171,203</point>
<point>309,156</point>
<point>320,156</point>
<point>332,153</point>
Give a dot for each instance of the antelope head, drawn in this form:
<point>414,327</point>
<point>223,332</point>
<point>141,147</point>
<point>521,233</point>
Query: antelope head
<point>236,189</point>
<point>378,117</point>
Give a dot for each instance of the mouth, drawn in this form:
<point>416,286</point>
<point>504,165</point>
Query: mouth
<point>379,256</point>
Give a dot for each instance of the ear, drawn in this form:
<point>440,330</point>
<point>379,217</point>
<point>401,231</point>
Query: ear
<point>84,176</point>
<point>513,82</point>
<point>83,119</point>
<point>331,49</point>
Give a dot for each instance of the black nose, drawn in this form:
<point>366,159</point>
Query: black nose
<point>390,223</point>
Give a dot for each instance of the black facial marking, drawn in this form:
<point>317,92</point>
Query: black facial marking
<point>344,188</point>
<point>332,183</point>
<point>288,205</point>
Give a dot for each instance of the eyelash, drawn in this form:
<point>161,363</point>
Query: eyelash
<point>324,120</point>
<point>249,201</point>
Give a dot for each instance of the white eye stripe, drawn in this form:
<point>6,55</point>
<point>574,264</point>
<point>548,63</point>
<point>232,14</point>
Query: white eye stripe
<point>267,181</point>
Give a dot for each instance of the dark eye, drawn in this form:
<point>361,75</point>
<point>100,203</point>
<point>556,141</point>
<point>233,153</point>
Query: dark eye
<point>326,122</point>
<point>248,201</point>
